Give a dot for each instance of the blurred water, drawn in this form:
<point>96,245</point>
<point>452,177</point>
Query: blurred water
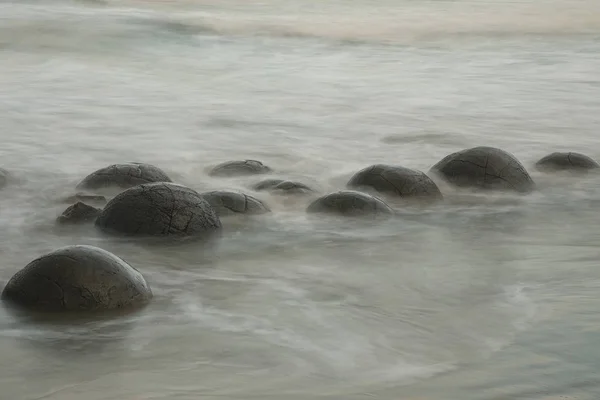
<point>482,298</point>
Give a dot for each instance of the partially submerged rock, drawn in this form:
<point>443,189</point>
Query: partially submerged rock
<point>159,209</point>
<point>228,203</point>
<point>397,181</point>
<point>282,186</point>
<point>484,168</point>
<point>77,278</point>
<point>350,203</point>
<point>85,197</point>
<point>124,176</point>
<point>78,213</point>
<point>573,162</point>
<point>240,168</point>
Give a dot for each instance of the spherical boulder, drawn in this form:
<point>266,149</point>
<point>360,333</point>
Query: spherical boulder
<point>228,203</point>
<point>78,213</point>
<point>92,198</point>
<point>77,278</point>
<point>484,168</point>
<point>124,176</point>
<point>282,186</point>
<point>159,209</point>
<point>240,168</point>
<point>398,181</point>
<point>574,162</point>
<point>350,203</point>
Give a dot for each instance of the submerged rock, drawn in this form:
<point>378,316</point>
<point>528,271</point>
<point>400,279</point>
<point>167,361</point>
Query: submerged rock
<point>350,203</point>
<point>83,197</point>
<point>484,168</point>
<point>227,203</point>
<point>77,278</point>
<point>159,209</point>
<point>282,186</point>
<point>78,213</point>
<point>574,162</point>
<point>124,176</point>
<point>240,168</point>
<point>398,181</point>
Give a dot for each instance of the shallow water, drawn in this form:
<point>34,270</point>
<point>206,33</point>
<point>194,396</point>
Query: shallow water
<point>481,298</point>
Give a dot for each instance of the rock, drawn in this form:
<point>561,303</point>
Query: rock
<point>4,176</point>
<point>228,203</point>
<point>77,213</point>
<point>240,168</point>
<point>77,278</point>
<point>83,197</point>
<point>350,203</point>
<point>575,162</point>
<point>124,176</point>
<point>484,168</point>
<point>398,181</point>
<point>159,209</point>
<point>282,186</point>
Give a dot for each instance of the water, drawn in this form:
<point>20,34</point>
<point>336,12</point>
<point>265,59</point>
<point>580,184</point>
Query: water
<point>481,298</point>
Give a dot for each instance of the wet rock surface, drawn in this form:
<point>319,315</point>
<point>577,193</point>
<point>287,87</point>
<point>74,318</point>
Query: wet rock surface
<point>486,168</point>
<point>350,203</point>
<point>240,168</point>
<point>282,186</point>
<point>77,278</point>
<point>159,209</point>
<point>124,176</point>
<point>398,181</point>
<point>229,202</point>
<point>569,161</point>
<point>78,213</point>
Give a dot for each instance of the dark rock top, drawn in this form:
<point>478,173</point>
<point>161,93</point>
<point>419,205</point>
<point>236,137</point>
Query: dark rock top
<point>484,168</point>
<point>282,186</point>
<point>350,203</point>
<point>227,203</point>
<point>77,278</point>
<point>159,209</point>
<point>240,168</point>
<point>124,176</point>
<point>77,213</point>
<point>575,162</point>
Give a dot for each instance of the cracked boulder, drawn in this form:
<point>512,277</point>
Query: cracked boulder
<point>397,181</point>
<point>124,176</point>
<point>350,203</point>
<point>77,278</point>
<point>240,168</point>
<point>484,168</point>
<point>574,162</point>
<point>228,203</point>
<point>159,209</point>
<point>78,213</point>
<point>282,186</point>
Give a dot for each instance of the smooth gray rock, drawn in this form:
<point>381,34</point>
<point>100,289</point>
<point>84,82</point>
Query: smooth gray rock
<point>575,162</point>
<point>486,168</point>
<point>398,181</point>
<point>124,176</point>
<point>77,278</point>
<point>228,203</point>
<point>159,209</point>
<point>78,213</point>
<point>240,168</point>
<point>282,186</point>
<point>350,203</point>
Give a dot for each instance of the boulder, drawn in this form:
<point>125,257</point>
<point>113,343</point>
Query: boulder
<point>4,176</point>
<point>159,209</point>
<point>228,203</point>
<point>240,168</point>
<point>282,186</point>
<point>84,197</point>
<point>397,181</point>
<point>78,213</point>
<point>484,168</point>
<point>77,278</point>
<point>350,203</point>
<point>574,162</point>
<point>124,176</point>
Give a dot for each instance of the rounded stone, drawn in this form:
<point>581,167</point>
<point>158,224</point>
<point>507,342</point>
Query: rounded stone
<point>486,168</point>
<point>159,209</point>
<point>228,203</point>
<point>282,186</point>
<point>4,176</point>
<point>561,161</point>
<point>78,213</point>
<point>124,176</point>
<point>77,278</point>
<point>350,203</point>
<point>398,181</point>
<point>240,168</point>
